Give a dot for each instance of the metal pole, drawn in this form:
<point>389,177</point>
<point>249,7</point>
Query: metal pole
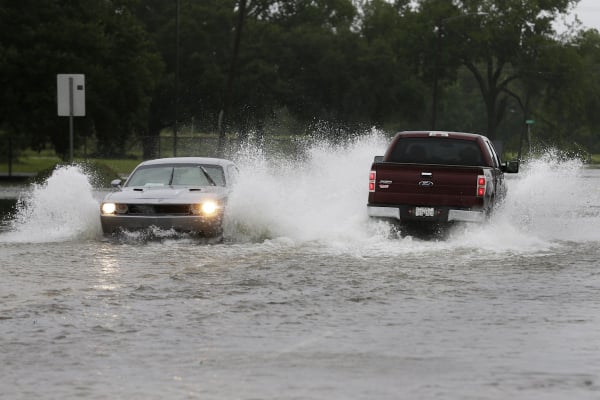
<point>438,49</point>
<point>520,153</point>
<point>71,119</point>
<point>529,137</point>
<point>176,78</point>
<point>10,156</point>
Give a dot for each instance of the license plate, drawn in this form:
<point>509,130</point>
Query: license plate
<point>424,211</point>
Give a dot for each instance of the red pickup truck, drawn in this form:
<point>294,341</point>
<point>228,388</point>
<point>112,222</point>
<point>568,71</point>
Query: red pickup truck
<point>437,177</point>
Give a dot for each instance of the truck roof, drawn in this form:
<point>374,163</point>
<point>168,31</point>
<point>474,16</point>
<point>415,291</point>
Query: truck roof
<point>455,135</point>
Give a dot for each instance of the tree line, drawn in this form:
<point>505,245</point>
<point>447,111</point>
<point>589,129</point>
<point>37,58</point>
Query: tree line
<point>240,66</point>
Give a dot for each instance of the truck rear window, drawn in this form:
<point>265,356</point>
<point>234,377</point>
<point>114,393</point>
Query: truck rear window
<point>435,150</point>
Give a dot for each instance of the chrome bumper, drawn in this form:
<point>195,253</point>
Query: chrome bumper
<point>465,216</point>
<point>191,223</point>
<point>384,212</point>
<point>453,215</point>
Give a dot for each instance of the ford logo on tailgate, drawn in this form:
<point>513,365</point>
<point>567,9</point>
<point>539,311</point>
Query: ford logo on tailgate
<point>426,183</point>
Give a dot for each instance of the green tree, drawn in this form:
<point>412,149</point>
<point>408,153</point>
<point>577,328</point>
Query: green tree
<point>494,41</point>
<point>567,111</point>
<point>390,91</point>
<point>314,55</point>
<point>195,49</point>
<point>99,39</point>
<point>155,64</point>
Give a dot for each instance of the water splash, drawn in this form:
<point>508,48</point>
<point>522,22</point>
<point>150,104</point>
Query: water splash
<point>322,198</point>
<point>319,197</point>
<point>62,208</point>
<point>555,198</point>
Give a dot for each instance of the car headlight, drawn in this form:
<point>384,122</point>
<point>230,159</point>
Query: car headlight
<point>108,208</point>
<point>113,208</point>
<point>207,208</point>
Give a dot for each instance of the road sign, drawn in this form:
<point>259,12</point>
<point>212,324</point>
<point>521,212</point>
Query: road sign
<point>530,122</point>
<point>70,95</point>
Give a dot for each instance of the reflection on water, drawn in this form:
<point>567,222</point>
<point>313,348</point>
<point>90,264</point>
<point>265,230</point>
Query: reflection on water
<point>109,270</point>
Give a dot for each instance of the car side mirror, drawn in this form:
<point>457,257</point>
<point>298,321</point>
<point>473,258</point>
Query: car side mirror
<point>511,167</point>
<point>116,183</point>
<point>378,159</point>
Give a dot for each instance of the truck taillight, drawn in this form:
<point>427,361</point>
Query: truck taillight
<point>372,177</point>
<point>480,186</point>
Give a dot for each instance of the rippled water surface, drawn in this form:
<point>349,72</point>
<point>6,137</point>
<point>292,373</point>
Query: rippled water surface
<point>306,299</point>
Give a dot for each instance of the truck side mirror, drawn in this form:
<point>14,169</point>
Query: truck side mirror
<point>378,159</point>
<point>511,167</point>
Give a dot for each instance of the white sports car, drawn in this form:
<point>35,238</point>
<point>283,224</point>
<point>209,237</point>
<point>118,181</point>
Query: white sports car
<point>186,194</point>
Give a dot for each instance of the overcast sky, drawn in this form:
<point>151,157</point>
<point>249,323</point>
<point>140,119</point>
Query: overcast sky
<point>588,12</point>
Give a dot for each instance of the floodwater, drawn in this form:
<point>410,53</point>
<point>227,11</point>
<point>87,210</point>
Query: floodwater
<point>306,298</point>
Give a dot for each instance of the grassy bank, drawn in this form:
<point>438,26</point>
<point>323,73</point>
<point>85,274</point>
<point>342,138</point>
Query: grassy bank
<point>34,163</point>
<point>39,166</point>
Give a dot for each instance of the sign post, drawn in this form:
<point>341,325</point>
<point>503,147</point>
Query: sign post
<point>70,95</point>
<point>529,122</point>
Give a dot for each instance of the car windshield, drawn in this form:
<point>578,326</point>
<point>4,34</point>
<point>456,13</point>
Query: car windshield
<point>177,175</point>
<point>437,151</point>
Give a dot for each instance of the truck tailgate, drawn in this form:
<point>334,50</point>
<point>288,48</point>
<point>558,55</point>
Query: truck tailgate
<point>426,185</point>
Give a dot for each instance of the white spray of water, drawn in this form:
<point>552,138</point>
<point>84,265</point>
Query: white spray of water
<point>553,201</point>
<point>556,199</point>
<point>62,208</point>
<point>323,199</point>
<point>320,198</point>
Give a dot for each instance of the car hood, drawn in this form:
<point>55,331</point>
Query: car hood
<point>175,195</point>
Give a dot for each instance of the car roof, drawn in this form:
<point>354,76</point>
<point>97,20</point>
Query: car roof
<point>457,135</point>
<point>188,160</point>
